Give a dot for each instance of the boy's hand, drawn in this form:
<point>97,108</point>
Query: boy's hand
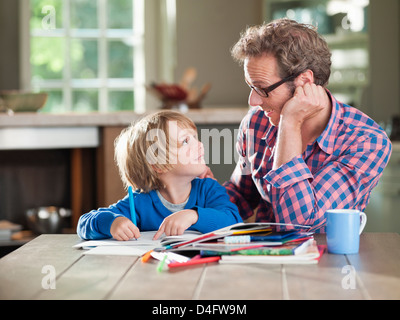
<point>177,223</point>
<point>123,229</point>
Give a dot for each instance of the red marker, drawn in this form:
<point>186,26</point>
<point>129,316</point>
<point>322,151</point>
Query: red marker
<point>195,260</point>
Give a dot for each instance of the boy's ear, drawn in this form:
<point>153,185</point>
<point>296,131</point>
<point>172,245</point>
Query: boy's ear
<point>157,169</point>
<point>305,77</point>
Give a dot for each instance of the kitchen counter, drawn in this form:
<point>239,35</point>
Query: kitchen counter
<point>122,118</point>
<point>91,121</point>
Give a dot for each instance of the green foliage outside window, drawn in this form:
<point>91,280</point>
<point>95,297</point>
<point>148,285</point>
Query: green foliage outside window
<point>66,59</point>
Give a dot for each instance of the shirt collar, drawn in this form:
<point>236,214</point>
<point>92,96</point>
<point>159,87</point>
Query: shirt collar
<point>326,140</point>
<point>270,135</point>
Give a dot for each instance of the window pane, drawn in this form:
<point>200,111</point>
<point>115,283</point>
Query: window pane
<point>120,100</point>
<point>83,14</point>
<point>120,64</point>
<point>54,101</point>
<point>46,14</point>
<point>84,59</point>
<point>119,14</point>
<point>85,100</point>
<point>47,58</point>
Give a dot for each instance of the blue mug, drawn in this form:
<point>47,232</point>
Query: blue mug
<point>343,229</point>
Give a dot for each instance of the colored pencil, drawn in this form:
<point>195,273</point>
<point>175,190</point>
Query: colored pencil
<point>132,206</point>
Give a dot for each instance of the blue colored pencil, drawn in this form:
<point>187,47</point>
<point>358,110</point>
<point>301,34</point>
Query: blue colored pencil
<point>132,206</point>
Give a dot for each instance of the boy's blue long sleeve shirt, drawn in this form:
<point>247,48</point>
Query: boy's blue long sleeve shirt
<point>207,197</point>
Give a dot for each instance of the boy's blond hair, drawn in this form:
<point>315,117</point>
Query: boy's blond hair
<point>144,148</point>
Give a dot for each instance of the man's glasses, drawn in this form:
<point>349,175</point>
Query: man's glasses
<point>264,92</point>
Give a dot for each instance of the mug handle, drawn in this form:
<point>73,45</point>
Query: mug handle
<point>363,217</point>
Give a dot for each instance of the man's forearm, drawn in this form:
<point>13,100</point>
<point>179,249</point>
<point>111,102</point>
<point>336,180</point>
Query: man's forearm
<point>289,143</point>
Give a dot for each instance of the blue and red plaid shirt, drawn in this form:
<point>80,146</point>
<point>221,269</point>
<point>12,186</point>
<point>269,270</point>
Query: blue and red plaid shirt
<point>338,170</point>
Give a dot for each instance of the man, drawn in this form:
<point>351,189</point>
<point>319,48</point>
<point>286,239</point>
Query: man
<point>301,152</point>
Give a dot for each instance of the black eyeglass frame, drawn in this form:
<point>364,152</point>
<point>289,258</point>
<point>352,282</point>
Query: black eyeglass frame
<point>264,92</point>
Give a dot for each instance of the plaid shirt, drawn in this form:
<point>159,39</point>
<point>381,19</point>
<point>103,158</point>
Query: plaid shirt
<point>338,170</point>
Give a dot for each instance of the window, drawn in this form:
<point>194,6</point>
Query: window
<point>88,54</point>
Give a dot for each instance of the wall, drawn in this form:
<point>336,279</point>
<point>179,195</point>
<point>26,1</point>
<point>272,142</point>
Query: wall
<point>9,35</point>
<point>206,30</point>
<point>383,95</point>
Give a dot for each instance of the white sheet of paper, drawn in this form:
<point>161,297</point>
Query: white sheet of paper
<point>171,256</point>
<point>146,239</point>
<point>116,251</point>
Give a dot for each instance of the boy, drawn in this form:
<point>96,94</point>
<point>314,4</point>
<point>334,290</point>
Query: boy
<point>161,157</point>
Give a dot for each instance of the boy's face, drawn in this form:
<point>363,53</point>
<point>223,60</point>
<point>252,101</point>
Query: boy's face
<point>187,149</point>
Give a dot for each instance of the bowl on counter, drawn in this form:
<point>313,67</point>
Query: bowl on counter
<point>48,219</point>
<point>18,101</point>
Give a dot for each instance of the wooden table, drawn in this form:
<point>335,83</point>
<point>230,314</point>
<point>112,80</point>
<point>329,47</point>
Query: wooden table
<point>374,273</point>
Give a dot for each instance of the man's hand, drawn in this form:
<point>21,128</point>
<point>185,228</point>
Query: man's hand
<point>177,223</point>
<point>303,118</point>
<point>307,102</point>
<point>123,229</point>
<point>207,174</point>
